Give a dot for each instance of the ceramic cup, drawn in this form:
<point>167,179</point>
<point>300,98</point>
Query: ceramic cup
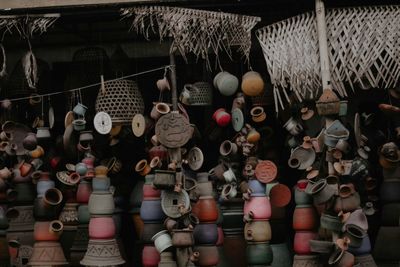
<point>229,175</point>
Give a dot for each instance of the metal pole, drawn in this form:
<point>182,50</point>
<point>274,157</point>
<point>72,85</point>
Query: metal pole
<point>323,44</point>
<point>174,93</point>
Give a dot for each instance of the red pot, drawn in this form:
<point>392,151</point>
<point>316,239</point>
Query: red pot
<point>47,230</point>
<point>305,218</point>
<point>258,208</point>
<point>101,228</point>
<point>150,256</point>
<point>222,117</point>
<point>83,192</point>
<point>302,241</point>
<point>206,209</point>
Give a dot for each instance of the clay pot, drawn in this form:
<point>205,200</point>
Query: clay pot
<point>227,148</point>
<point>149,230</point>
<point>101,203</point>
<point>142,167</point>
<point>226,83</point>
<point>151,210</point>
<point>302,241</point>
<point>158,151</point>
<point>358,218</point>
<point>305,218</point>
<point>148,190</point>
<point>162,241</point>
<point>306,261</point>
<point>221,117</point>
<point>159,109</point>
<point>83,214</point>
<point>182,238</point>
<point>252,84</point>
<point>102,228</point>
<point>206,209</point>
<point>101,183</point>
<point>259,253</point>
<point>300,195</point>
<point>48,230</point>
<point>341,258</point>
<point>47,253</point>
<point>208,256</point>
<point>257,231</point>
<point>348,204</point>
<point>256,186</point>
<point>281,255</point>
<point>103,252</point>
<point>331,222</point>
<point>30,141</point>
<point>84,191</point>
<point>205,233</point>
<point>38,152</point>
<point>53,197</point>
<point>43,184</point>
<point>364,248</point>
<point>321,192</point>
<point>356,234</point>
<point>257,208</point>
<point>150,256</point>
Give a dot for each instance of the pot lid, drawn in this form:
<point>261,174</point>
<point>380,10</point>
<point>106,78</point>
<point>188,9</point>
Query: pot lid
<point>266,171</point>
<point>102,123</point>
<point>173,130</point>
<point>237,119</point>
<point>195,158</point>
<point>138,125</point>
<point>175,204</point>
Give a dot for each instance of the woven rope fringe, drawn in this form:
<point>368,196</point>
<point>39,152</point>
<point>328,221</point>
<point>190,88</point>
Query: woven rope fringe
<point>363,44</point>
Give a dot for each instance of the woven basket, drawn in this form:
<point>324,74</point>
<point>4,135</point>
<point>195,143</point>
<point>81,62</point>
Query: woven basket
<point>201,94</point>
<point>121,99</point>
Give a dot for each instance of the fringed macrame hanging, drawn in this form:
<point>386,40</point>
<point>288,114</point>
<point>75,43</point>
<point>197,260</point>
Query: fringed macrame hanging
<point>195,31</point>
<point>363,48</point>
<point>27,25</point>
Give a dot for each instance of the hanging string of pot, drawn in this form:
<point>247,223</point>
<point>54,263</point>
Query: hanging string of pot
<point>76,91</point>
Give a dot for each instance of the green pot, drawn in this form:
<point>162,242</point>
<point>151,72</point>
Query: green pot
<point>330,222</point>
<point>282,256</point>
<point>259,253</point>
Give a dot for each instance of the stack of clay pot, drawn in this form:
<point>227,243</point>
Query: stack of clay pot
<point>102,248</point>
<point>206,231</point>
<point>385,250</point>
<point>47,250</point>
<point>152,217</point>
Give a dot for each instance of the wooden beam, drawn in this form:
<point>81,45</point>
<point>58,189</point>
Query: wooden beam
<point>38,4</point>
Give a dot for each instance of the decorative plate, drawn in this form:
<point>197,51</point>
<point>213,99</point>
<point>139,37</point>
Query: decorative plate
<point>174,204</point>
<point>69,118</point>
<point>138,125</point>
<point>195,158</point>
<point>51,117</point>
<point>237,119</point>
<point>266,171</point>
<point>173,130</point>
<point>102,123</point>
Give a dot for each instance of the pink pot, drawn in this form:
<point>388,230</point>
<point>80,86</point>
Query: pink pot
<point>257,208</point>
<point>302,241</point>
<point>150,192</point>
<point>83,192</point>
<point>222,117</point>
<point>150,256</point>
<point>101,228</point>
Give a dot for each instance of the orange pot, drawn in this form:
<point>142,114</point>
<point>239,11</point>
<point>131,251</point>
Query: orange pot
<point>206,209</point>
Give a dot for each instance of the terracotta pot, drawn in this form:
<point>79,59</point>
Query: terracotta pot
<point>101,203</point>
<point>259,253</point>
<point>149,230</point>
<point>358,218</point>
<point>101,228</point>
<point>356,234</point>
<point>151,210</point>
<point>257,208</point>
<point>30,141</point>
<point>302,241</point>
<point>227,148</point>
<point>341,258</point>
<point>150,256</point>
<point>182,238</point>
<point>48,230</point>
<point>252,84</point>
<point>206,209</point>
<point>39,152</point>
<point>257,231</point>
<point>142,167</point>
<point>206,234</point>
<point>300,196</point>
<point>208,256</point>
<point>305,218</point>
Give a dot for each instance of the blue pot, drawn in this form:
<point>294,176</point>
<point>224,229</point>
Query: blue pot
<point>43,185</point>
<point>205,234</point>
<point>256,186</point>
<point>365,247</point>
<point>101,184</point>
<point>151,210</point>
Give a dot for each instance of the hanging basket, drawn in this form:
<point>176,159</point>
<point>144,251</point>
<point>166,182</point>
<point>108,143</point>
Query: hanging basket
<point>121,99</point>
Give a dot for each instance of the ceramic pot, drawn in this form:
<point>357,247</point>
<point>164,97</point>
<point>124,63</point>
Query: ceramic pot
<point>42,211</point>
<point>159,109</point>
<point>389,191</point>
<point>142,167</point>
<point>306,261</point>
<point>30,141</point>
<point>149,230</point>
<point>101,183</point>
<point>252,84</point>
<point>256,186</point>
<point>321,246</point>
<point>356,234</point>
<point>321,192</point>
<point>390,214</point>
<point>364,248</point>
<point>208,256</point>
<point>206,209</point>
<point>53,197</point>
<point>69,214</point>
<point>83,214</point>
<point>305,218</point>
<point>226,83</point>
<point>102,252</point>
<point>227,148</point>
<point>43,185</point>
<point>205,233</point>
<point>101,203</point>
<point>182,238</point>
<point>48,230</point>
<point>257,208</point>
<point>151,210</point>
<point>150,256</point>
<point>221,117</point>
<point>257,231</point>
<point>83,192</point>
<point>162,241</point>
<point>300,195</point>
<point>348,204</point>
<point>281,255</point>
<point>47,253</point>
<point>259,253</point>
<point>331,222</point>
<point>302,241</point>
<point>80,109</point>
<point>148,190</point>
<point>341,258</point>
<point>101,228</point>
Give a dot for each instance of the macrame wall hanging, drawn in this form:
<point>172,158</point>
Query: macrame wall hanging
<point>195,31</point>
<point>363,48</point>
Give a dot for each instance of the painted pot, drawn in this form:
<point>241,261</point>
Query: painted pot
<point>52,197</point>
<point>221,117</point>
<point>331,222</point>
<point>208,255</point>
<point>101,203</point>
<point>43,185</point>
<point>252,83</point>
<point>83,214</point>
<point>341,258</point>
<point>281,255</point>
<point>101,183</point>
<point>259,253</point>
<point>364,248</point>
<point>257,208</point>
<point>302,241</point>
<point>206,209</point>
<point>102,228</point>
<point>300,195</point>
<point>257,231</point>
<point>182,238</point>
<point>151,210</point>
<point>256,186</point>
<point>305,218</point>
<point>162,241</point>
<point>149,230</point>
<point>84,191</point>
<point>205,233</point>
<point>48,230</point>
<point>150,256</point>
<point>356,234</point>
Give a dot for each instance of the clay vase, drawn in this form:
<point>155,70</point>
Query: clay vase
<point>259,253</point>
<point>148,190</point>
<point>150,256</point>
<point>300,195</point>
<point>151,210</point>
<point>256,186</point>
<point>341,258</point>
<point>101,203</point>
<point>305,218</point>
<point>182,238</point>
<point>83,192</point>
<point>206,233</point>
<point>48,231</point>
<point>102,228</point>
<point>206,209</point>
<point>149,230</point>
<point>302,241</point>
<point>208,256</point>
<point>306,261</point>
<point>257,208</point>
<point>281,255</point>
<point>257,231</point>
